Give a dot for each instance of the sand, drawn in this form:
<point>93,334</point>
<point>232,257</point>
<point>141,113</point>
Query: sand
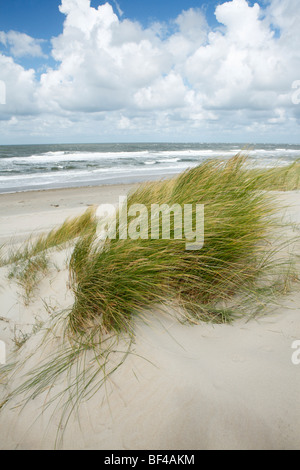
<point>182,388</point>
<point>23,213</point>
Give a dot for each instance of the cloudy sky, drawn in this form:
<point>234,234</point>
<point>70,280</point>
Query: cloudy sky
<point>165,70</point>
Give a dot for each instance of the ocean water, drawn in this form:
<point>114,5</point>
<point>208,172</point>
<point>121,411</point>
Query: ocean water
<point>36,167</point>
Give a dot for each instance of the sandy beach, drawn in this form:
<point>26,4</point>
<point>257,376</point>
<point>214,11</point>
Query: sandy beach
<point>23,213</point>
<point>168,320</point>
<point>182,387</point>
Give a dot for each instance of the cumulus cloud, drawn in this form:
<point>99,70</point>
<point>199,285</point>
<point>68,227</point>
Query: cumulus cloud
<point>21,45</point>
<point>21,89</point>
<point>167,92</point>
<point>191,78</point>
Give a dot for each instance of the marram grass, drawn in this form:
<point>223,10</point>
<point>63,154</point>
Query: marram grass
<point>27,273</point>
<point>236,272</point>
<point>115,282</point>
<point>58,237</point>
<point>286,178</point>
<point>30,263</point>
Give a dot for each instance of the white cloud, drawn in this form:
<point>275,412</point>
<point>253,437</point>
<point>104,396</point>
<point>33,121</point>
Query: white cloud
<point>21,89</point>
<point>21,45</point>
<point>243,23</point>
<point>167,92</point>
<point>119,10</point>
<point>237,78</point>
<point>193,26</point>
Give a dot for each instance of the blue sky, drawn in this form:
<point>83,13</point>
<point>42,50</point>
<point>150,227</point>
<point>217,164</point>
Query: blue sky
<point>129,70</point>
<point>42,19</point>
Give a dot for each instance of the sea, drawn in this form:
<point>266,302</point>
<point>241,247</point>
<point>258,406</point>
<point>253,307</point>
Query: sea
<point>39,167</point>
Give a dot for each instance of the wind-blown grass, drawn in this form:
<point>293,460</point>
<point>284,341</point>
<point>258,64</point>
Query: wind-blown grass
<point>58,237</point>
<point>285,178</point>
<point>116,281</point>
<point>28,273</point>
<point>30,263</point>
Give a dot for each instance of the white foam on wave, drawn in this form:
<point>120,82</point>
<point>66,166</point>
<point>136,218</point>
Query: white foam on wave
<point>149,155</point>
<point>56,157</point>
<point>99,175</point>
<point>107,166</point>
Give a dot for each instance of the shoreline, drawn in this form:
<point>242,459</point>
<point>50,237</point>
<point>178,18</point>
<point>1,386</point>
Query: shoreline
<point>67,189</point>
<point>114,181</point>
<point>59,166</point>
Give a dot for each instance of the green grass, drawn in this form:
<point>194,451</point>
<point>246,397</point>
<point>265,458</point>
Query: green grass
<point>58,237</point>
<point>114,282</point>
<point>28,273</point>
<point>285,178</point>
<point>30,263</point>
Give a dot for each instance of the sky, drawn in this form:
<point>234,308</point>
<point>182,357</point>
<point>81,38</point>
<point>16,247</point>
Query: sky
<point>140,71</point>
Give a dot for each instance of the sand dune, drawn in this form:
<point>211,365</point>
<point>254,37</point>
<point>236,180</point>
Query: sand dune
<point>182,387</point>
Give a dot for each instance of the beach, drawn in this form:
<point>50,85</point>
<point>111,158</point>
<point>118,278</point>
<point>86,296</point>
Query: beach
<point>181,388</point>
<point>150,227</point>
<point>23,213</point>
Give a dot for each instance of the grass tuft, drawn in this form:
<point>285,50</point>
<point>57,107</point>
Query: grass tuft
<point>113,283</point>
<point>240,268</point>
<point>285,178</point>
<point>30,263</point>
<point>28,273</point>
<point>58,237</point>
